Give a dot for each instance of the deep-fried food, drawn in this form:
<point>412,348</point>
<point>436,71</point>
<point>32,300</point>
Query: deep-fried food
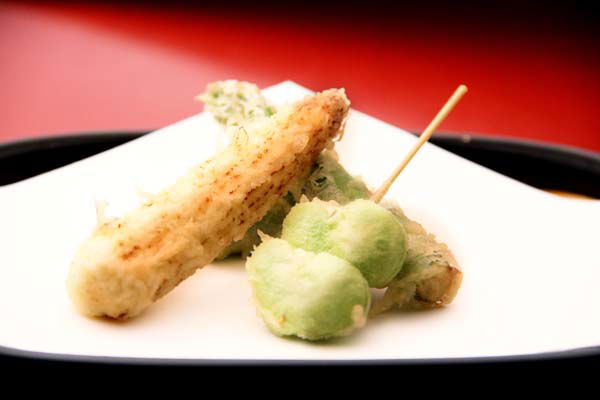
<point>130,262</point>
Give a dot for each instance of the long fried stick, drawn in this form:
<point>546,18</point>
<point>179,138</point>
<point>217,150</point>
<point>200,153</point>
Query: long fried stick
<point>130,262</point>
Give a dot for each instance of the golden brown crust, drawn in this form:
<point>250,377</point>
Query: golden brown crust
<point>130,262</point>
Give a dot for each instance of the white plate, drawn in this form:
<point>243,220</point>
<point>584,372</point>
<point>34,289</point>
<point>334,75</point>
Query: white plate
<point>529,259</point>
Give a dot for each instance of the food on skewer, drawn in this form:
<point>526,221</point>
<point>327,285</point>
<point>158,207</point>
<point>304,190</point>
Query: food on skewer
<point>311,295</point>
<point>430,276</point>
<point>130,262</point>
<point>314,282</point>
<point>429,266</point>
<point>361,232</point>
<point>436,281</point>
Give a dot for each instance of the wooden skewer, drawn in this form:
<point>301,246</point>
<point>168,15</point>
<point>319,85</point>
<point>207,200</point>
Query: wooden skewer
<point>433,125</point>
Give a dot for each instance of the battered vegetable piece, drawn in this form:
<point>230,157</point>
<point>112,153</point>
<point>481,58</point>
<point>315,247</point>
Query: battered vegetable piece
<point>130,262</point>
<point>300,293</point>
<point>430,276</point>
<point>235,103</point>
<point>330,181</point>
<point>361,232</point>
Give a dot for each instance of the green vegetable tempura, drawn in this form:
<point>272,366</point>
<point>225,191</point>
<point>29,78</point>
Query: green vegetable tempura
<point>309,295</point>
<point>430,276</point>
<point>330,181</point>
<point>361,232</point>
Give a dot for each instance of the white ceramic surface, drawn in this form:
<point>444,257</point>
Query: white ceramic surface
<point>530,261</point>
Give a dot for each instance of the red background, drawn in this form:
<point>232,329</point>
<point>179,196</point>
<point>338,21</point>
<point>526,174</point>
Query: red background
<point>532,72</point>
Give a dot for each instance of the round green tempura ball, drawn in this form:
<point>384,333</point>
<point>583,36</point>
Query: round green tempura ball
<point>300,293</point>
<point>361,232</point>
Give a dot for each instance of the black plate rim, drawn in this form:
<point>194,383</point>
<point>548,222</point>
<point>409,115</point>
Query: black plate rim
<point>579,354</point>
<point>569,155</point>
<point>572,155</point>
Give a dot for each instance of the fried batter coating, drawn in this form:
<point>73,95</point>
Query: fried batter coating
<point>130,262</point>
<point>430,276</point>
<point>314,296</point>
<point>361,232</point>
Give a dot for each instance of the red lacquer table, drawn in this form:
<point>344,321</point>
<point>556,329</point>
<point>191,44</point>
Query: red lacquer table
<point>73,68</point>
